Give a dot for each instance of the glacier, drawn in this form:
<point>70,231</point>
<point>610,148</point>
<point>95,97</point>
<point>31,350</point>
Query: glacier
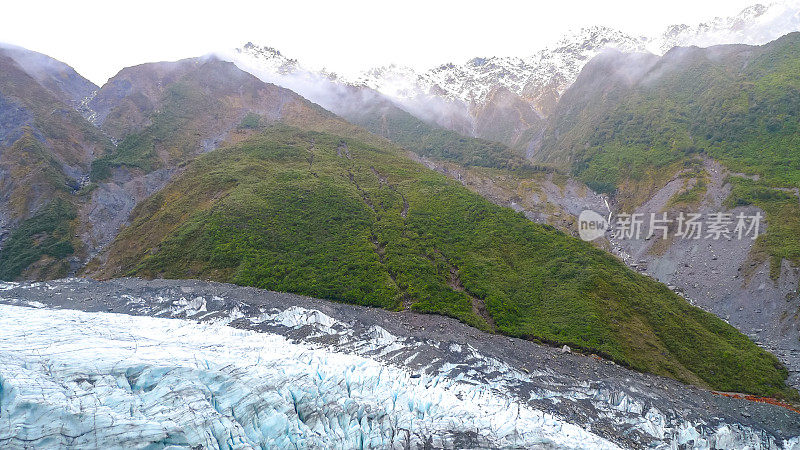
<point>154,364</point>
<point>103,380</point>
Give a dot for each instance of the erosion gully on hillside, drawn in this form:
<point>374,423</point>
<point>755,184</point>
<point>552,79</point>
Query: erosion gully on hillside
<point>433,356</point>
<point>720,276</point>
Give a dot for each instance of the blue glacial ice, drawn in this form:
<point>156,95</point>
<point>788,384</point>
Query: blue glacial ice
<point>102,380</point>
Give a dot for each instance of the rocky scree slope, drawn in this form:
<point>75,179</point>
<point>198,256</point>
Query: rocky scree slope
<point>633,121</point>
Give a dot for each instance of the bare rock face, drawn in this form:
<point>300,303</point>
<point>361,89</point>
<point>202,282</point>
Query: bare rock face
<point>112,202</point>
<point>505,117</point>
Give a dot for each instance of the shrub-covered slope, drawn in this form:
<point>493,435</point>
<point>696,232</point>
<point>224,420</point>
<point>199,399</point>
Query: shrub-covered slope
<point>333,217</point>
<point>632,121</point>
<point>161,115</point>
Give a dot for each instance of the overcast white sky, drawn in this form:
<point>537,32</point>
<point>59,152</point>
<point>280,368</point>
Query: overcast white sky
<point>99,38</point>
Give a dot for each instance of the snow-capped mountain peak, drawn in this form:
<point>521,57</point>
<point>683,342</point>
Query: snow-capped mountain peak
<point>754,25</point>
<point>539,78</point>
<point>270,59</point>
<point>552,69</point>
<point>597,38</point>
<point>472,81</point>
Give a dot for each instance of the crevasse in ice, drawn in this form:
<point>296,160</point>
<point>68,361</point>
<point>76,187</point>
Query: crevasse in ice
<point>106,380</point>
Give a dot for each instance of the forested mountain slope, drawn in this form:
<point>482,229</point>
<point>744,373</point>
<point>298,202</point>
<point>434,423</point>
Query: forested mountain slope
<point>630,122</point>
<point>331,216</point>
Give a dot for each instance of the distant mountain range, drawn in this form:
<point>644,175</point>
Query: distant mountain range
<point>468,97</point>
<point>543,76</point>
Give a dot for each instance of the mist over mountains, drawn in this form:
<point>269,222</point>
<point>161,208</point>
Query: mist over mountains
<point>465,97</point>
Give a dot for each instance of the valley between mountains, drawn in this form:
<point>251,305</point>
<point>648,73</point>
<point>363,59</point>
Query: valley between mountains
<point>448,205</point>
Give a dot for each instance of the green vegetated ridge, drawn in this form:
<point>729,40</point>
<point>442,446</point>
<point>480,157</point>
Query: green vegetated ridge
<point>432,141</point>
<point>632,119</point>
<point>45,238</point>
<point>332,217</point>
<point>39,245</point>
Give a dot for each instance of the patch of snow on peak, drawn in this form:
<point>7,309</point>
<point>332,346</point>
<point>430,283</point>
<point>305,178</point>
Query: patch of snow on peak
<point>270,58</point>
<point>755,25</point>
